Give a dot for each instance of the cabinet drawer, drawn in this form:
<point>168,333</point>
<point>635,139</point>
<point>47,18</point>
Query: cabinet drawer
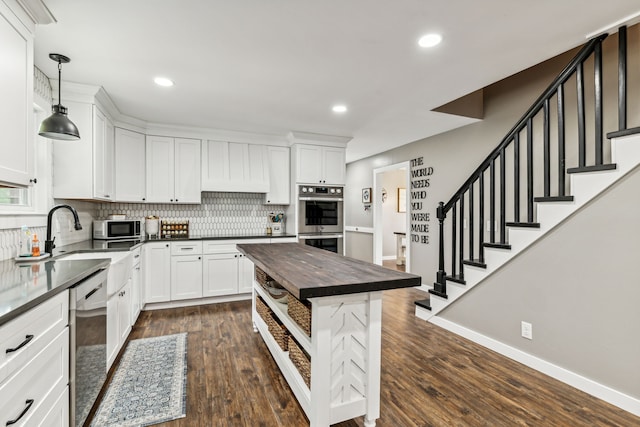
<point>31,332</point>
<point>136,255</point>
<point>227,246</point>
<point>35,388</point>
<point>186,248</point>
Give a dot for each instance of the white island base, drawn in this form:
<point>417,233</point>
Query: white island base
<point>345,356</point>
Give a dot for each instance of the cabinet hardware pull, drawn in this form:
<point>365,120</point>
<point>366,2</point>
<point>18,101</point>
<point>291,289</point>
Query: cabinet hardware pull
<point>93,291</point>
<point>22,344</point>
<point>186,249</point>
<point>143,199</point>
<point>29,403</point>
<point>34,180</point>
<point>137,256</point>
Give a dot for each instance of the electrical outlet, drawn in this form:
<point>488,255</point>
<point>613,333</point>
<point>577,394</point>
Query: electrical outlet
<point>526,330</point>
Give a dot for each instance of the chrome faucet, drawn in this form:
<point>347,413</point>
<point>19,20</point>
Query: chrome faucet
<point>48,244</point>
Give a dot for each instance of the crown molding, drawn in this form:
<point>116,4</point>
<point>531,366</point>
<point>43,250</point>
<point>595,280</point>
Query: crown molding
<point>297,137</point>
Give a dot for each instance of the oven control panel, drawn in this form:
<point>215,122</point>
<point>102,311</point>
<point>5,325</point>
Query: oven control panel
<point>309,191</point>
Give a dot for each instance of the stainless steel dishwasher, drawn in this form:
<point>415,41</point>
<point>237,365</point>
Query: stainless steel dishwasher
<point>88,344</point>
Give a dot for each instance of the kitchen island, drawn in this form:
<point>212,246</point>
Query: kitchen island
<point>343,340</point>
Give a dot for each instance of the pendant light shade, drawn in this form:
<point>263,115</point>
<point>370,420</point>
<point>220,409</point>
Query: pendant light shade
<point>58,125</point>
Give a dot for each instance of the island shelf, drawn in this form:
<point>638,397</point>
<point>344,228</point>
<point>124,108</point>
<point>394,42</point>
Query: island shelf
<point>346,317</point>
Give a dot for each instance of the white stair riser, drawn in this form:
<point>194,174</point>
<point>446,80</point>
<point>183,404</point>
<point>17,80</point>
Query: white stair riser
<point>520,238</point>
<point>625,152</point>
<point>423,313</point>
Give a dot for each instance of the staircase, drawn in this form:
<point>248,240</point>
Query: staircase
<point>495,216</point>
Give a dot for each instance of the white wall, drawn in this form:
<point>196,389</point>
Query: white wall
<point>392,220</point>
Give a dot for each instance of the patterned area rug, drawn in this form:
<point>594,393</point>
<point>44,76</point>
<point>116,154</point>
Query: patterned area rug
<point>149,386</point>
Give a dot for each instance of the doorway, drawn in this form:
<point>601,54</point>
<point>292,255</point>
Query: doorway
<point>391,216</point>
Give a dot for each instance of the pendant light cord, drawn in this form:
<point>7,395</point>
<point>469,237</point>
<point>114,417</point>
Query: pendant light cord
<point>59,82</point>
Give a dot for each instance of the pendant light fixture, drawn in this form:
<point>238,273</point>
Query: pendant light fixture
<point>58,125</point>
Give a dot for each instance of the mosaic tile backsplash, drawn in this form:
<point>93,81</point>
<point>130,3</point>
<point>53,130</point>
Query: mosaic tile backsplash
<point>220,214</point>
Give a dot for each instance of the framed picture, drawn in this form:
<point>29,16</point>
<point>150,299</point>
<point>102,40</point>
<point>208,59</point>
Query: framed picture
<point>366,195</point>
<point>402,199</point>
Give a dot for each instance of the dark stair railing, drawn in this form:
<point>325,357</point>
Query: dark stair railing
<point>538,120</point>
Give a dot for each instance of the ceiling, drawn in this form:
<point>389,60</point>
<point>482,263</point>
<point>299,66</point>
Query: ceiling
<point>272,67</point>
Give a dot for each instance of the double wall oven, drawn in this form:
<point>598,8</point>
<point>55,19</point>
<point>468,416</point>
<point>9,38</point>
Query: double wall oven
<point>321,217</point>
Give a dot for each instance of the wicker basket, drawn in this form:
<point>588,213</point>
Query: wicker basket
<point>262,309</point>
<point>262,277</point>
<point>279,332</point>
<point>300,312</point>
<point>301,360</point>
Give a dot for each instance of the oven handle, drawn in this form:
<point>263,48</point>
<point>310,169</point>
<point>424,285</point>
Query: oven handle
<point>320,236</point>
<point>322,199</point>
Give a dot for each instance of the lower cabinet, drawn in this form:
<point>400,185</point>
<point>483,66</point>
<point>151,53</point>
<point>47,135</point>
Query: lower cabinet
<point>157,272</point>
<point>34,372</point>
<point>186,277</point>
<point>137,291</point>
<point>245,274</point>
<point>118,321</point>
<point>220,274</point>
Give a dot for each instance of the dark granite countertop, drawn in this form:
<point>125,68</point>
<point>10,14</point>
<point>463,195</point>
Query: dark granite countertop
<point>308,272</point>
<point>222,237</point>
<point>25,285</point>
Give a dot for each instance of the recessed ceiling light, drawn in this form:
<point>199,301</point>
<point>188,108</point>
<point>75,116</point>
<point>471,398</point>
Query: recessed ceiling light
<point>163,81</point>
<point>430,40</point>
<point>339,108</point>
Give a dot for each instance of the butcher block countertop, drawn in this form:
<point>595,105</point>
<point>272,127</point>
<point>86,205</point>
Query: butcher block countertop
<point>308,272</point>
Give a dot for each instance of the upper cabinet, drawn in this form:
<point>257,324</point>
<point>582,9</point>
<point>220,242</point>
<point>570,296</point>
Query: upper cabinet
<point>317,164</point>
<point>279,182</point>
<point>130,166</point>
<point>84,169</point>
<point>16,108</point>
<point>234,166</point>
<point>172,170</point>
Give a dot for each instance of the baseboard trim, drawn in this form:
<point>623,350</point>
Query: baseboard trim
<point>196,301</point>
<point>614,397</point>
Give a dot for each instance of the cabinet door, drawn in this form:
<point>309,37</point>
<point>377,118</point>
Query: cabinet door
<point>220,274</point>
<point>245,274</point>
<point>215,165</point>
<point>256,175</point>
<point>308,164</point>
<point>279,180</point>
<point>135,293</point>
<point>129,166</point>
<point>186,277</point>
<point>16,108</point>
<point>124,313</point>
<point>113,334</point>
<point>157,272</point>
<point>187,171</point>
<point>103,152</point>
<point>159,169</point>
<point>333,161</point>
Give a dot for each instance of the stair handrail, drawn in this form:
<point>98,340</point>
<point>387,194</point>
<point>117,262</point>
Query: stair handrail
<point>562,78</point>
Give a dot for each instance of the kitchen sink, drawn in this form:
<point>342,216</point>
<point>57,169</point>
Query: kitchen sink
<point>119,269</point>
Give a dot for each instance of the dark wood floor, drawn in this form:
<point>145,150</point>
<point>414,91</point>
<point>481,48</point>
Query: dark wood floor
<point>430,377</point>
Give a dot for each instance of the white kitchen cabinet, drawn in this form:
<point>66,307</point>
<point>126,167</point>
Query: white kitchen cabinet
<point>186,270</point>
<point>233,166</point>
<point>220,274</point>
<point>124,312</point>
<point>34,364</point>
<point>137,294</point>
<point>316,164</point>
<point>279,179</point>
<point>112,330</point>
<point>172,170</point>
<point>16,108</point>
<point>103,158</point>
<point>157,272</point>
<point>84,169</point>
<point>130,177</point>
<point>246,271</point>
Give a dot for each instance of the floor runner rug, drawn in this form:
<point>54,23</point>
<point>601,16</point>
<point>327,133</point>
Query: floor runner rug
<point>149,385</point>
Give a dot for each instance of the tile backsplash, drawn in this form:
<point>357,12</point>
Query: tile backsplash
<point>222,214</point>
<point>225,214</point>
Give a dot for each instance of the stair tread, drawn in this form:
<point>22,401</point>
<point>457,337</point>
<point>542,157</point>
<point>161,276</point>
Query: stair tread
<point>424,303</point>
<point>457,278</point>
<point>524,224</point>
<point>553,199</point>
<point>624,132</point>
<point>593,168</point>
<point>497,245</point>
<point>437,293</point>
<point>475,263</point>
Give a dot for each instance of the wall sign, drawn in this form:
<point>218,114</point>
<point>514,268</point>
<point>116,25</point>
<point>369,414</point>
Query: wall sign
<point>420,176</point>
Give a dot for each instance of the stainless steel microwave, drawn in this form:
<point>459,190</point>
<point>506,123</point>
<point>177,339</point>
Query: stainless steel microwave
<point>112,229</point>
